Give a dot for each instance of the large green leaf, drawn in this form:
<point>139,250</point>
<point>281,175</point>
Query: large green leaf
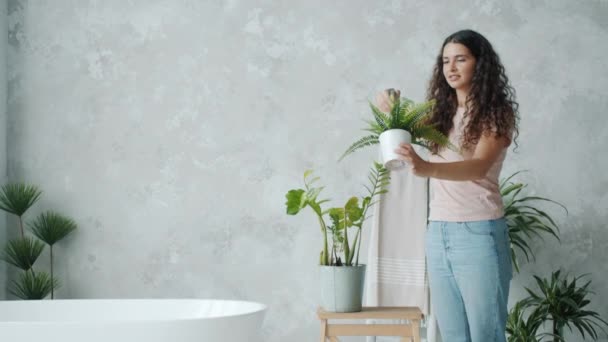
<point>352,210</point>
<point>295,201</point>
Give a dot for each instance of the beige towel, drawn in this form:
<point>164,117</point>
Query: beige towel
<point>396,274</point>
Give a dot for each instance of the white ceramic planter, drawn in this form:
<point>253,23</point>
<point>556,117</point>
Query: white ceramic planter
<point>389,141</point>
<point>341,287</point>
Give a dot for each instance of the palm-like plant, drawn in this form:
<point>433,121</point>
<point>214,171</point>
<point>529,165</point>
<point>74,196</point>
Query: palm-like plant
<point>564,302</point>
<point>22,252</point>
<point>51,227</point>
<point>33,285</point>
<point>524,220</point>
<point>17,198</point>
<point>521,329</point>
<point>406,115</point>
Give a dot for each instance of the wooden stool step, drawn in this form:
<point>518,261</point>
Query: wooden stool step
<point>409,331</point>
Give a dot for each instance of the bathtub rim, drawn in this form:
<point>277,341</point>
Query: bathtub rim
<point>260,309</point>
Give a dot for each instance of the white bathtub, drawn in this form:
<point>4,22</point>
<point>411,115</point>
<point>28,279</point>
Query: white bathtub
<point>133,320</point>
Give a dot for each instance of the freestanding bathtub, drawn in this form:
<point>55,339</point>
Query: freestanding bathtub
<point>132,320</point>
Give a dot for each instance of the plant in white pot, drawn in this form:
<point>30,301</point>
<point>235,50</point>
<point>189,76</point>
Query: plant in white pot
<point>341,275</point>
<point>405,123</point>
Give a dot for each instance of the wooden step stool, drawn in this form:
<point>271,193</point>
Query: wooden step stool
<point>410,331</point>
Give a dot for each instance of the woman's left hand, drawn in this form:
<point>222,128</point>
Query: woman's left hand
<point>417,165</point>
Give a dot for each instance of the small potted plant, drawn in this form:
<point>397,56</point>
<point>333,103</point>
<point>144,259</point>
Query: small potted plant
<point>405,123</point>
<point>341,275</point>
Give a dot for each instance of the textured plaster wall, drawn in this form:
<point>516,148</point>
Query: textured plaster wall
<point>3,147</point>
<point>170,131</point>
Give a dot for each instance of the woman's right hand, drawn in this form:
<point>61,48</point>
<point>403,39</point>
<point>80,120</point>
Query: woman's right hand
<point>386,99</point>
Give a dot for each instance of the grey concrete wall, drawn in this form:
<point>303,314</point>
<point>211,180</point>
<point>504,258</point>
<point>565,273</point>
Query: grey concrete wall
<point>171,131</point>
<point>3,147</point>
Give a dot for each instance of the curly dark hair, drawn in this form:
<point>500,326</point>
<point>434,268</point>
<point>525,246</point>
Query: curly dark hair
<point>491,105</point>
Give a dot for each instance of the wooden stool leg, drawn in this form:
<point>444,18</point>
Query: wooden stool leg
<point>323,330</point>
<point>333,339</point>
<point>416,330</point>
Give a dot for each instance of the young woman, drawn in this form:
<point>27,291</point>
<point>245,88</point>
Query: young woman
<point>467,241</point>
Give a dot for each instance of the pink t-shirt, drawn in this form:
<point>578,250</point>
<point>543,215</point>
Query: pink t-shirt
<point>465,200</point>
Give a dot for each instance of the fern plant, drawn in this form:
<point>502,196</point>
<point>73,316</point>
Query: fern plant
<point>407,115</point>
<point>351,215</point>
<point>524,219</point>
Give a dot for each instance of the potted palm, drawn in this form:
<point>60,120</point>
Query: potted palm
<point>341,275</point>
<point>558,300</point>
<point>404,123</point>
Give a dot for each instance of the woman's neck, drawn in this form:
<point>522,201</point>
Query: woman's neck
<point>461,96</point>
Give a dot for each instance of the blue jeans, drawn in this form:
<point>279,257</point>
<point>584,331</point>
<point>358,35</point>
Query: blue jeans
<point>469,269</point>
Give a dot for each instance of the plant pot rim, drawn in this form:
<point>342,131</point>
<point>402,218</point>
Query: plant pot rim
<point>395,129</point>
<point>344,266</point>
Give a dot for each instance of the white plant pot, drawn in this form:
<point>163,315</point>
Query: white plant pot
<point>389,142</point>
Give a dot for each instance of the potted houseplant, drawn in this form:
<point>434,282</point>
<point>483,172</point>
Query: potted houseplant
<point>405,123</point>
<point>559,300</point>
<point>341,275</point>
<point>563,302</point>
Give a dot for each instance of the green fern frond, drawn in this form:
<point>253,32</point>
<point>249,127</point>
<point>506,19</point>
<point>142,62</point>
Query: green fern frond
<point>23,252</point>
<point>395,117</point>
<point>51,227</point>
<point>429,134</point>
<point>363,142</point>
<point>414,114</point>
<point>17,198</point>
<point>381,118</point>
<point>373,127</point>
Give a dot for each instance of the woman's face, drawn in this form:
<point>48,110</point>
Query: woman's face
<point>458,66</point>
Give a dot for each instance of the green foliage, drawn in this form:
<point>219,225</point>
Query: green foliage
<point>524,219</point>
<point>23,252</point>
<point>51,227</point>
<point>32,285</point>
<point>351,215</point>
<point>406,115</point>
<point>17,198</point>
<point>521,329</point>
<point>558,299</point>
<point>564,303</point>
